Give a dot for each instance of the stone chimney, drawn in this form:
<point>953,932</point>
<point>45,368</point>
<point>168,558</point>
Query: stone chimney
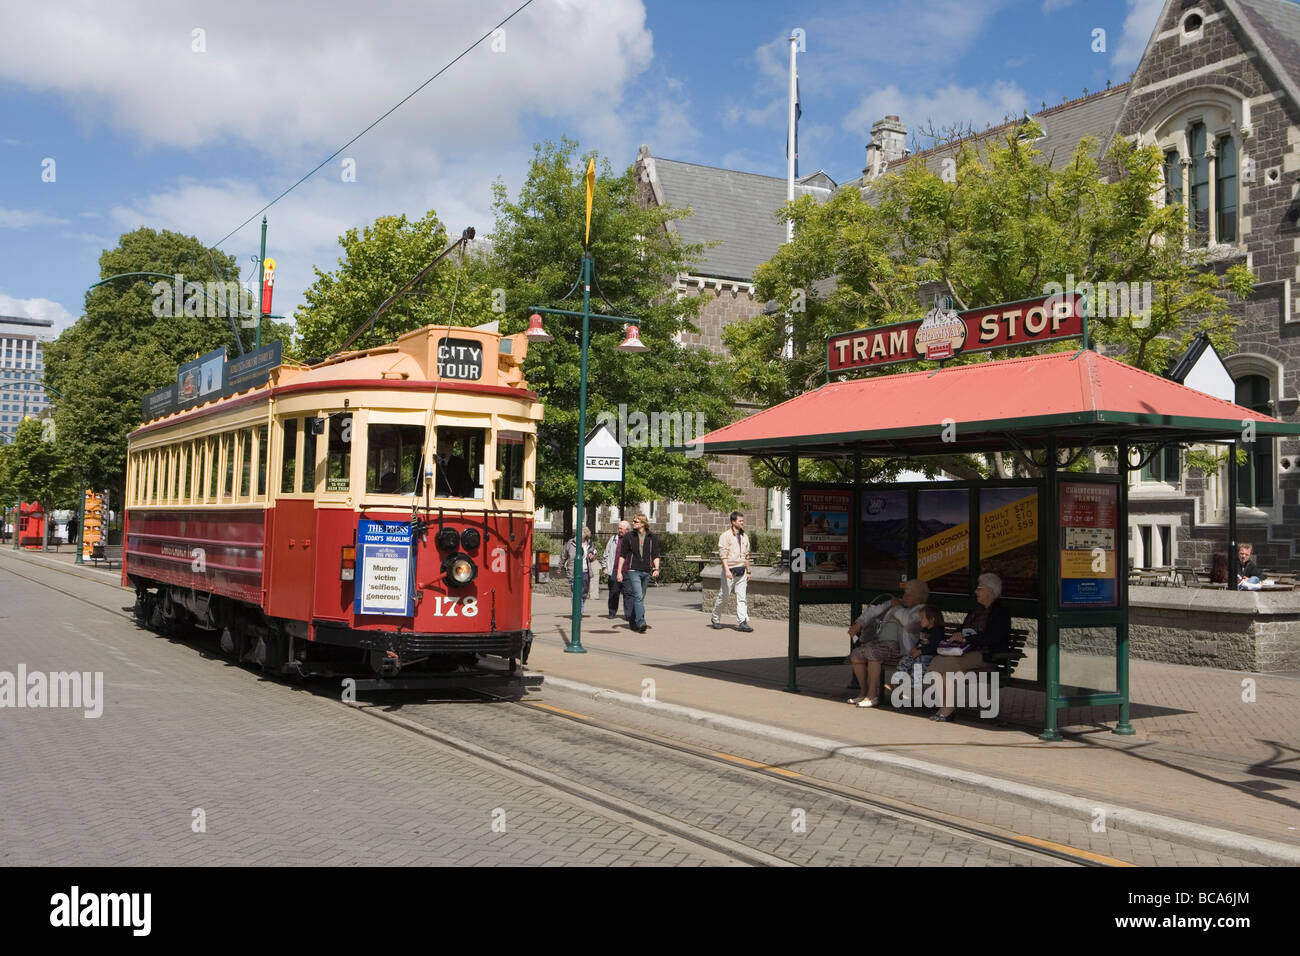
<point>888,142</point>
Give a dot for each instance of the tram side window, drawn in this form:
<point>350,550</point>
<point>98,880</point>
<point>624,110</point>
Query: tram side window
<point>153,477</point>
<point>263,454</point>
<point>308,456</point>
<point>184,497</point>
<point>289,457</point>
<point>245,461</point>
<point>393,458</point>
<point>228,456</point>
<point>511,451</point>
<point>338,464</point>
<point>458,470</point>
<point>213,464</point>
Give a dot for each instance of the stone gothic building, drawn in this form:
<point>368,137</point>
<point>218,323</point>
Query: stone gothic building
<point>1218,92</point>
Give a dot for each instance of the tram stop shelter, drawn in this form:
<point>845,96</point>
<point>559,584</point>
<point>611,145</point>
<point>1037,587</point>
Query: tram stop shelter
<point>1058,541</point>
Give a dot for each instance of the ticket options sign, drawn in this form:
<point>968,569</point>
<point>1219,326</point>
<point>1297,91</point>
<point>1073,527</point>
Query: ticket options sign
<point>944,333</point>
<point>824,517</point>
<point>1089,535</point>
<point>943,538</point>
<point>386,562</point>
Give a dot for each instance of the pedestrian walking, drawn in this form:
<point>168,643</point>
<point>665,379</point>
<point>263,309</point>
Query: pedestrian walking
<point>569,559</point>
<point>641,549</point>
<point>72,530</point>
<point>616,587</point>
<point>733,549</point>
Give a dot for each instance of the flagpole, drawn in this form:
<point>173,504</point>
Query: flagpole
<point>791,151</point>
<point>791,144</point>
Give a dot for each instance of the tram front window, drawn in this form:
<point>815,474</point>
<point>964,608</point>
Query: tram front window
<point>338,463</point>
<point>458,465</point>
<point>393,459</point>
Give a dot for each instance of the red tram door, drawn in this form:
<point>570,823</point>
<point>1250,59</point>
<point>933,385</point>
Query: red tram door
<point>293,555</point>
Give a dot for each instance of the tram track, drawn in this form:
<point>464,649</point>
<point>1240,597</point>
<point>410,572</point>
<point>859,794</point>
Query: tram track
<point>654,821</point>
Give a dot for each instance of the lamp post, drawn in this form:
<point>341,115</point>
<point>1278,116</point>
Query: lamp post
<point>631,343</point>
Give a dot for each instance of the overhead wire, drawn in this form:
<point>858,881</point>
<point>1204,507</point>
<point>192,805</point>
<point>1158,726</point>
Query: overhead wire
<point>465,52</point>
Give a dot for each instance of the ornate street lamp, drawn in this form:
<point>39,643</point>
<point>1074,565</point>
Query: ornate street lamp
<point>631,343</point>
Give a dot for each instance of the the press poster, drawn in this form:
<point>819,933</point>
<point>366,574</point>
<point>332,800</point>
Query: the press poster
<point>824,517</point>
<point>385,568</point>
<point>1089,532</point>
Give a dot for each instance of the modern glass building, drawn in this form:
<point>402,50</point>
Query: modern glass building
<point>22,370</point>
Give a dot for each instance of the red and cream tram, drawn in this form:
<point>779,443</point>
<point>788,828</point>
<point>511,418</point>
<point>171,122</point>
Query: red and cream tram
<point>373,512</point>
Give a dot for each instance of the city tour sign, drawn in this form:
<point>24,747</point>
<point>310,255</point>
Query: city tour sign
<point>945,333</point>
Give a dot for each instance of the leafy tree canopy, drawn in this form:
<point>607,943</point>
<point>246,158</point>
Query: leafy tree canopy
<point>536,259</point>
<point>131,340</point>
<point>34,467</point>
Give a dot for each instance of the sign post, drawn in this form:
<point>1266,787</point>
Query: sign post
<point>602,456</point>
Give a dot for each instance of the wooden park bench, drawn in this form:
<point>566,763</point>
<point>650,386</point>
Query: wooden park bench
<point>107,553</point>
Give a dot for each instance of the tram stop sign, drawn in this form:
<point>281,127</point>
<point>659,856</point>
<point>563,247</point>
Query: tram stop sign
<point>602,456</point>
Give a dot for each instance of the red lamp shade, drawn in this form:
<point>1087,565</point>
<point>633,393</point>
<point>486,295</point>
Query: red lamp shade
<point>535,331</point>
<point>633,341</point>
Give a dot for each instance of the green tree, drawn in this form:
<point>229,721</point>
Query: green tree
<point>376,262</point>
<point>34,467</point>
<point>130,341</point>
<point>1002,229</point>
<point>535,259</point>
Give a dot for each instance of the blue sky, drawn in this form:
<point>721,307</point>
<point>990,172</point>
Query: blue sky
<point>144,128</point>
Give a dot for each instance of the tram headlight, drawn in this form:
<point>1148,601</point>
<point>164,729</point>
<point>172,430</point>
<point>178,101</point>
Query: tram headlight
<point>448,539</point>
<point>470,539</point>
<point>459,569</point>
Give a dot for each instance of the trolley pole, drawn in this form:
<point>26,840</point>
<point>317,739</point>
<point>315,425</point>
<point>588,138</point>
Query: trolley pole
<point>261,285</point>
<point>81,524</point>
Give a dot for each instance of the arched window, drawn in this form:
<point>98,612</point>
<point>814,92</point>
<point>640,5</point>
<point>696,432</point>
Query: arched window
<point>1198,207</point>
<point>1225,194</point>
<point>1255,478</point>
<point>1173,179</point>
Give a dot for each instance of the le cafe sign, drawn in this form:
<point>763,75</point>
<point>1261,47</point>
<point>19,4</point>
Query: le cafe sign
<point>945,333</point>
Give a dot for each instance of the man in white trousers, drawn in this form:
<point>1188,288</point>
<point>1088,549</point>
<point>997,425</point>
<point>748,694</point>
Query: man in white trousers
<point>733,549</point>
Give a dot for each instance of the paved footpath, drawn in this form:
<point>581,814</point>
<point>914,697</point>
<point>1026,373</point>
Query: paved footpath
<point>1202,753</point>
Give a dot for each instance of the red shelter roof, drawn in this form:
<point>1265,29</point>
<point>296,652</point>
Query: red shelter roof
<point>1070,399</point>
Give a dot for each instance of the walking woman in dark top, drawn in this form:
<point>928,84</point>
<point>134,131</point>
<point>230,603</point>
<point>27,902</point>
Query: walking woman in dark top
<point>986,629</point>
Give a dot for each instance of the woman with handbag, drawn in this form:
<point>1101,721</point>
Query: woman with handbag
<point>986,629</point>
<point>881,636</point>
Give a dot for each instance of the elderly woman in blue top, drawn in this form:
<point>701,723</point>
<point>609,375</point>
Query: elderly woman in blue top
<point>986,629</point>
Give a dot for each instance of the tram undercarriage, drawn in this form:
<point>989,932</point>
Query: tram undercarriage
<point>396,659</point>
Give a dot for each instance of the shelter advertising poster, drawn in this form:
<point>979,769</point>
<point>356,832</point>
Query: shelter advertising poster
<point>943,539</point>
<point>882,554</point>
<point>1089,516</point>
<point>1009,539</point>
<point>385,566</point>
<point>824,519</point>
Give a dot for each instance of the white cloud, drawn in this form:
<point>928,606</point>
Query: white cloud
<point>293,88</point>
<point>277,80</point>
<point>22,218</point>
<point>37,309</point>
<point>951,106</point>
<point>1139,23</point>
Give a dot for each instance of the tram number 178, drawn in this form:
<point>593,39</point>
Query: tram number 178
<point>446,606</point>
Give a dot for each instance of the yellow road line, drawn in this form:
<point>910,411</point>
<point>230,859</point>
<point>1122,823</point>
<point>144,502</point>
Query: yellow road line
<point>557,710</point>
<point>1073,851</point>
<point>744,762</point>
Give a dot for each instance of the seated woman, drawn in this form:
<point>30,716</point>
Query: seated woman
<point>870,659</point>
<point>986,629</point>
